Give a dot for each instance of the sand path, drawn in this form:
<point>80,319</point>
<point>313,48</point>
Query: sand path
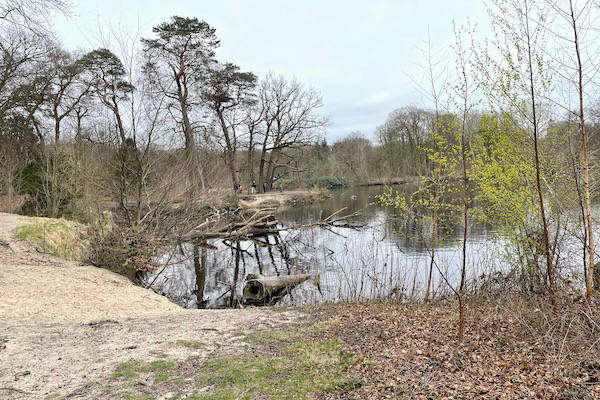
<point>63,325</point>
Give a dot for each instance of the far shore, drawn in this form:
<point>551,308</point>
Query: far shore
<point>276,199</point>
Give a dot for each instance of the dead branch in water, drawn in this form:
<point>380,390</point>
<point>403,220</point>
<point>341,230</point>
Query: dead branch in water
<point>263,223</point>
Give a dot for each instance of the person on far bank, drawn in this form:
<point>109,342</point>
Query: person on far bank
<point>253,190</point>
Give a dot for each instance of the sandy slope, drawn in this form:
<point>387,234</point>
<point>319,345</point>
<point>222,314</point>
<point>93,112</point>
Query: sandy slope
<point>63,325</point>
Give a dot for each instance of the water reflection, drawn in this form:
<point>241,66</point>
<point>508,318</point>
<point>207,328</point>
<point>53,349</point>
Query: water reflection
<point>389,257</point>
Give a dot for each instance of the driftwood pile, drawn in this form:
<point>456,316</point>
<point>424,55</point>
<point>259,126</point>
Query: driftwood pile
<point>261,223</point>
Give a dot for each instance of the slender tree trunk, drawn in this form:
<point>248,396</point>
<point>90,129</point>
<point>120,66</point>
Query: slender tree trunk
<point>141,184</point>
<point>10,190</point>
<point>250,160</point>
<point>270,169</point>
<point>586,161</point>
<point>120,127</point>
<point>461,290</point>
<point>436,197</point>
<point>465,197</point>
<point>196,172</point>
<point>463,270</point>
<point>433,238</point>
<point>236,272</point>
<point>273,158</point>
<point>263,159</point>
<point>549,271</point>
<point>78,129</point>
<point>56,130</point>
<point>261,175</point>
<point>576,178</point>
<point>229,150</point>
<point>257,256</point>
<point>200,269</point>
<point>190,143</point>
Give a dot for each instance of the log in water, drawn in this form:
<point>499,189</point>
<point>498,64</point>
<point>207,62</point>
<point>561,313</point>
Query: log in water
<point>268,290</point>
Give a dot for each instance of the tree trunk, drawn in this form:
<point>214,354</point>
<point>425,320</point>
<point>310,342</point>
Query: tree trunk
<point>120,127</point>
<point>576,179</point>
<point>461,290</point>
<point>273,158</point>
<point>233,302</point>
<point>257,256</point>
<point>549,271</point>
<point>589,287</point>
<point>200,269</point>
<point>56,130</point>
<point>463,271</point>
<point>229,150</point>
<point>78,128</point>
<point>250,160</point>
<point>195,169</point>
<point>433,238</point>
<point>261,175</point>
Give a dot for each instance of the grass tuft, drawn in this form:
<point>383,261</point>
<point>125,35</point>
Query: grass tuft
<point>59,237</point>
<point>128,369</point>
<point>191,344</point>
<point>131,369</point>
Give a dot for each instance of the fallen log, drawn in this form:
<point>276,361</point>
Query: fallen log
<point>261,224</point>
<point>267,290</point>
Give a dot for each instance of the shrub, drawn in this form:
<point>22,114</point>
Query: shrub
<point>327,182</point>
<point>52,183</point>
<point>121,248</point>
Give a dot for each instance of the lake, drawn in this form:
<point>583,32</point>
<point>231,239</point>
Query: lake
<point>388,257</point>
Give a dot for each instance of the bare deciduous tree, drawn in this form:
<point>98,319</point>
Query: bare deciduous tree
<point>66,91</point>
<point>32,15</point>
<point>576,71</point>
<point>290,120</point>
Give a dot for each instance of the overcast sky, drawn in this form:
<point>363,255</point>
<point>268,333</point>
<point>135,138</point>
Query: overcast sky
<point>363,56</point>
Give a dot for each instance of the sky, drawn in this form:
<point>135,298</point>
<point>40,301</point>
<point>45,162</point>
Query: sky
<point>364,57</point>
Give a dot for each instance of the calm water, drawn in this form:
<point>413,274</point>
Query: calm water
<point>388,257</point>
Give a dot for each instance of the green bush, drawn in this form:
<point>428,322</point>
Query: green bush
<point>327,182</point>
<point>53,185</point>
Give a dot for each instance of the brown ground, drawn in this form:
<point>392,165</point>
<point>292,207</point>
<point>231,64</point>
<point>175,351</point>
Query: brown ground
<point>63,325</point>
<point>513,349</point>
